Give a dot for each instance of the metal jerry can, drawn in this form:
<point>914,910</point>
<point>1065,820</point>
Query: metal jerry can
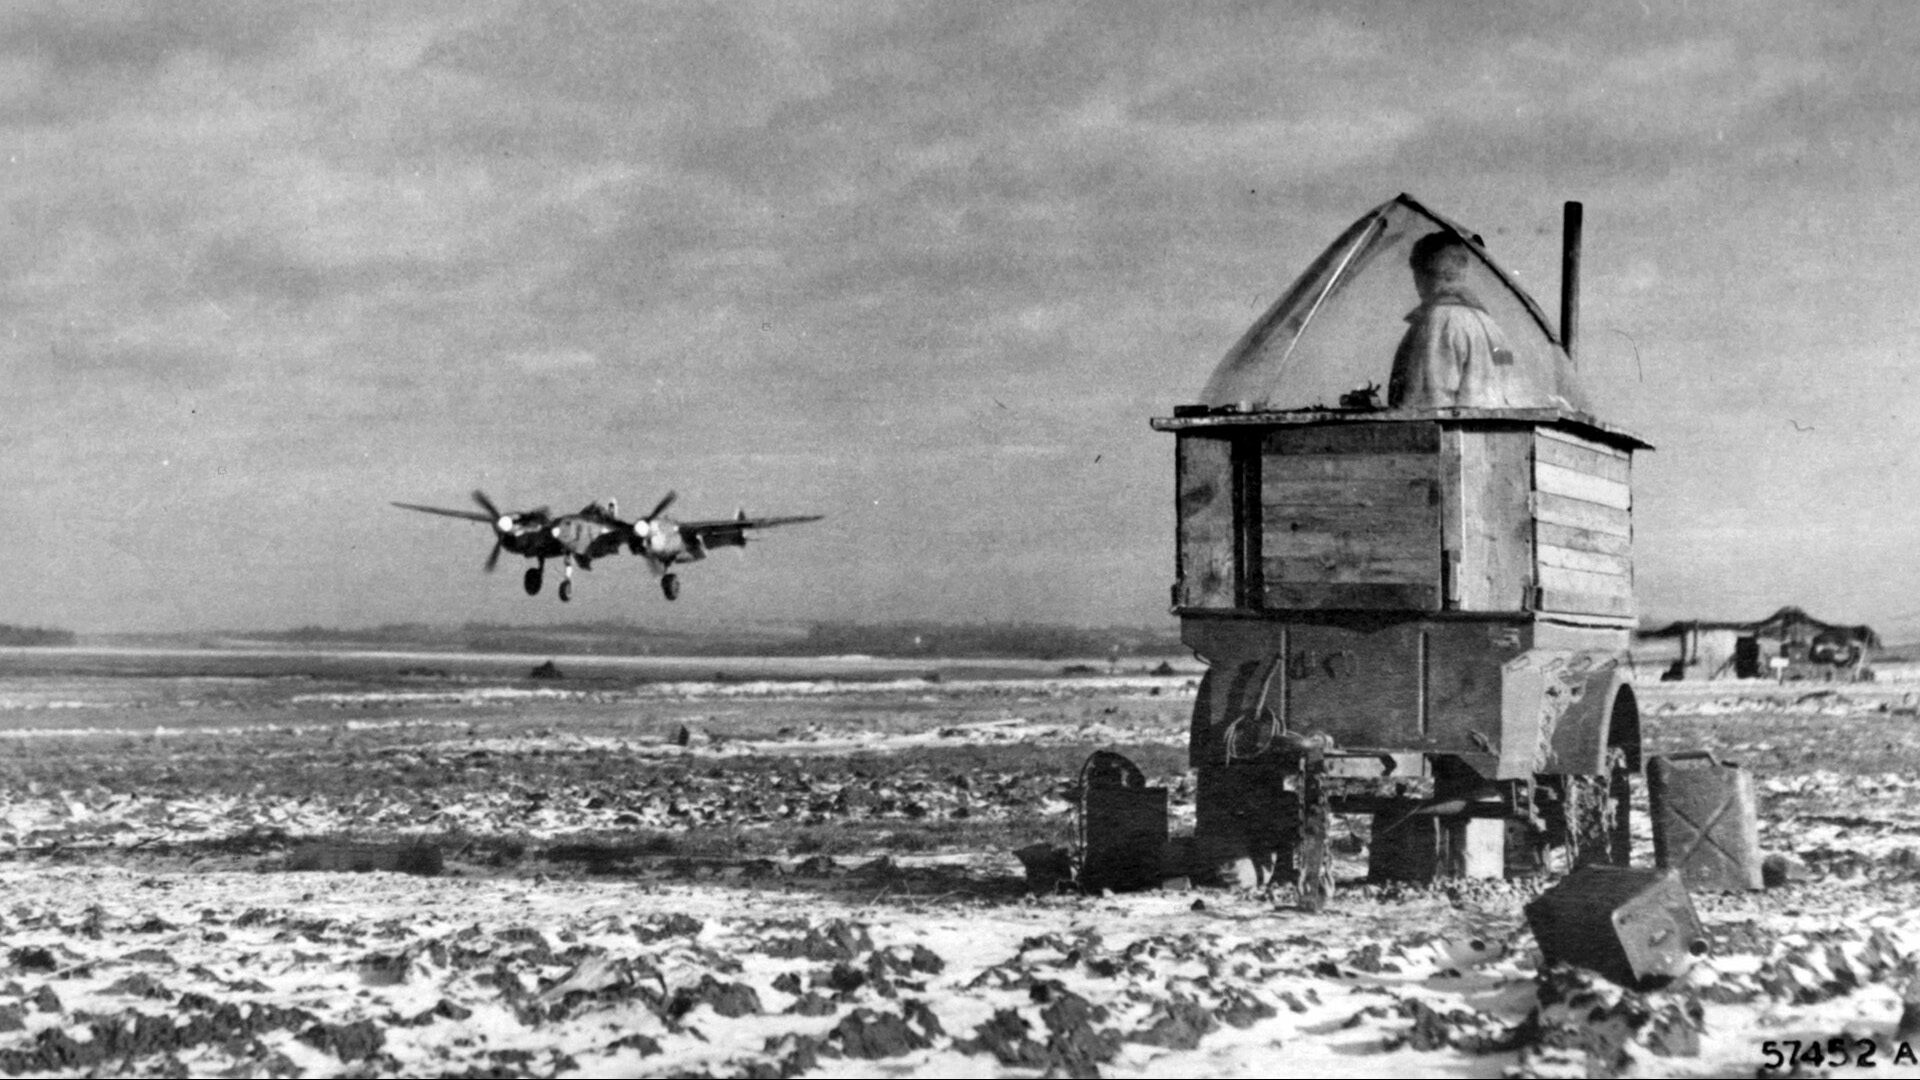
<point>1636,927</point>
<point>1704,821</point>
<point>1122,825</point>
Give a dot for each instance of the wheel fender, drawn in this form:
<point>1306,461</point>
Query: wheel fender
<point>1562,709</point>
<point>1229,692</point>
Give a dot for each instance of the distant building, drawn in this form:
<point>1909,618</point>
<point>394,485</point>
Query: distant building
<point>1811,648</point>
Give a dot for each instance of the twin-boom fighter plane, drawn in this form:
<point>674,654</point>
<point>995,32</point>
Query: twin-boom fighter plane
<point>598,530</point>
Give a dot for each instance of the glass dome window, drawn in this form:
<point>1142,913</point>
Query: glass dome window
<point>1410,304</point>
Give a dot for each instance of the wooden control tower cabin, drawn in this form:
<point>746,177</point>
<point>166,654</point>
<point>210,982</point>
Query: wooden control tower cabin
<point>1416,609</point>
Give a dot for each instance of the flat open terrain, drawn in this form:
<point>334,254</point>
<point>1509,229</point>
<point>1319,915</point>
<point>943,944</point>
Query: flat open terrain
<point>766,867</point>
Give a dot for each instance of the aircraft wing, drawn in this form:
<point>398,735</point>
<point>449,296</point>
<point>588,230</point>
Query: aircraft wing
<point>470,515</point>
<point>732,532</point>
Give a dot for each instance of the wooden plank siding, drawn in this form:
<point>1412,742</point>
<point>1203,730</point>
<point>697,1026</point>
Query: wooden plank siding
<point>1598,461</point>
<point>1350,561</point>
<point>1375,596</point>
<point>1582,442</point>
<point>1385,538</point>
<point>1355,439</point>
<point>1553,479</point>
<point>1494,517</point>
<point>1494,570</point>
<point>1583,525</point>
<point>1566,558</point>
<point>1205,539</point>
<point>1390,520</point>
<point>1377,544</point>
<point>1353,468</point>
<point>1591,517</point>
<point>1350,518</point>
<point>1552,534</point>
<point>1584,603</point>
<point>1560,579</point>
<point>1288,523</point>
<point>1282,491</point>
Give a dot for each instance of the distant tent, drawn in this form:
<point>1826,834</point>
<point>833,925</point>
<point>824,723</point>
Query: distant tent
<point>1789,623</point>
<point>1337,327</point>
<point>1793,634</point>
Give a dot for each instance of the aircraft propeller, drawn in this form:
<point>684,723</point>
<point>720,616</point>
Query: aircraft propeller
<point>645,533</point>
<point>503,524</point>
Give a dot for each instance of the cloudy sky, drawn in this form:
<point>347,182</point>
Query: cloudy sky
<point>927,269</point>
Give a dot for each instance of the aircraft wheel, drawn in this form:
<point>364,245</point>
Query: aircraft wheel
<point>566,591</point>
<point>532,581</point>
<point>670,585</point>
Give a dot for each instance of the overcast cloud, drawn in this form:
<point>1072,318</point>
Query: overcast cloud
<point>927,269</point>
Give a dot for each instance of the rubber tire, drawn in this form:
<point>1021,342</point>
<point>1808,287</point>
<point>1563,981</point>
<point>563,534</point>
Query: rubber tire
<point>670,587</point>
<point>1245,823</point>
<point>566,592</point>
<point>1611,803</point>
<point>1620,786</point>
<point>532,580</point>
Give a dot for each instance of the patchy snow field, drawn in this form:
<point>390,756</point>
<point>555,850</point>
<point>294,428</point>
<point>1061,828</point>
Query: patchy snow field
<point>783,871</point>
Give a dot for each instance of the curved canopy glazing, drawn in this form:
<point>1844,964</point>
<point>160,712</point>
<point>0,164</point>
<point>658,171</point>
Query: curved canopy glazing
<point>1411,304</point>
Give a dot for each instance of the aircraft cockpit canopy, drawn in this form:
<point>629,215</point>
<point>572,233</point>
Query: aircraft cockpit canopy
<point>1342,323</point>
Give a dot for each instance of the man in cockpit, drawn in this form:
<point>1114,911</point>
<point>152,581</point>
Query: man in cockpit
<point>1453,352</point>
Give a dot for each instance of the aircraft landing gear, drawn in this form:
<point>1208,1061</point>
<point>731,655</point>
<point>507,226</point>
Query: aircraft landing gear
<point>670,585</point>
<point>566,591</point>
<point>532,580</point>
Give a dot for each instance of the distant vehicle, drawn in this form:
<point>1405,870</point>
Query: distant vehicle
<point>598,530</point>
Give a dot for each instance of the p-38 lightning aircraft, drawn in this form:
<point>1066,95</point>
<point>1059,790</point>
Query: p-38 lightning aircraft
<point>597,530</point>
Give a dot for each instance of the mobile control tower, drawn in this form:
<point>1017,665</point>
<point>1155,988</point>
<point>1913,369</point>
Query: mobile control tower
<point>1414,600</point>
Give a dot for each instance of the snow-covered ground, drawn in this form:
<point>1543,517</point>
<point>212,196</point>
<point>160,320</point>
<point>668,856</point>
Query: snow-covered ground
<point>216,970</point>
<point>157,919</point>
